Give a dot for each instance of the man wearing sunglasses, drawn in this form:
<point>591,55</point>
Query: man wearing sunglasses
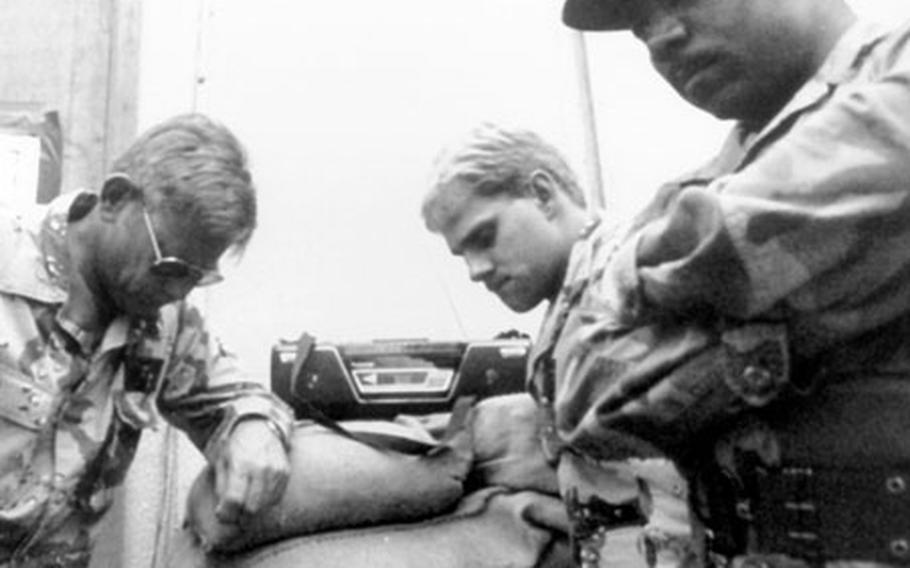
<point>755,315</point>
<point>97,342</point>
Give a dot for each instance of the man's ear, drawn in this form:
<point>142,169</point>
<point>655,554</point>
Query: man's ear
<point>545,191</point>
<point>118,191</point>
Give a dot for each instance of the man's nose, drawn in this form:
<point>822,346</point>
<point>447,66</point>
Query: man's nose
<point>662,32</point>
<point>479,266</point>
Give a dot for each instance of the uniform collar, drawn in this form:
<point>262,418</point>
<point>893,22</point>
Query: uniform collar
<point>850,52</point>
<point>592,239</point>
<point>33,250</point>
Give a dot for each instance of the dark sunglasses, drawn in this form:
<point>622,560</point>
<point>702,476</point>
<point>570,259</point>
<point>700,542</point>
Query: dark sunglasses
<point>171,267</point>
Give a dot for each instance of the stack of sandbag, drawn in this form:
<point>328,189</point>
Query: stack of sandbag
<point>339,482</point>
<point>484,497</point>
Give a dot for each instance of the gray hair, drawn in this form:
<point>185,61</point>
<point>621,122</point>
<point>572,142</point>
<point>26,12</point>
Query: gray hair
<point>493,160</point>
<point>197,168</point>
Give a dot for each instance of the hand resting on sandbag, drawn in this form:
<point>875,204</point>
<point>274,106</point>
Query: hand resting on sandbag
<point>338,482</point>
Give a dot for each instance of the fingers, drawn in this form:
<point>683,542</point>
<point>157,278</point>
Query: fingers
<point>231,489</point>
<point>251,475</point>
<point>279,485</point>
<point>271,488</point>
<point>261,491</point>
<point>244,494</point>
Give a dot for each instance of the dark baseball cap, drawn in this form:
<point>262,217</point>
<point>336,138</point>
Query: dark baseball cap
<point>594,15</point>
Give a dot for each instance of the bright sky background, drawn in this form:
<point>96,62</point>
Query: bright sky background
<point>342,106</point>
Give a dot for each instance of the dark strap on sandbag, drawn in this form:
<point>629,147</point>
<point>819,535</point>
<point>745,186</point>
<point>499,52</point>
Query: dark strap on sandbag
<point>378,440</point>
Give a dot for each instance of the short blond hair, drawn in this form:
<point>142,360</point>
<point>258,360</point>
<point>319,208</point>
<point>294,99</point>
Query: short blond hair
<point>492,159</point>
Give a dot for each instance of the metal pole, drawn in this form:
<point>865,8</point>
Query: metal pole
<point>596,198</point>
<point>168,459</point>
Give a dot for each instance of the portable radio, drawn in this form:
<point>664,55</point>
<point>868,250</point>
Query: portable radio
<point>382,378</point>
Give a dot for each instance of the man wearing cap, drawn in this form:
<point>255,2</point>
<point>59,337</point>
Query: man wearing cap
<point>97,342</point>
<point>755,313</point>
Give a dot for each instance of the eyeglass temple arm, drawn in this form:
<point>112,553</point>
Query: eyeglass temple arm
<point>151,232</point>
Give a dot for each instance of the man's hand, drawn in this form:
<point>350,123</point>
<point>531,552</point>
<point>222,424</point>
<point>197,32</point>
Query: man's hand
<point>251,472</point>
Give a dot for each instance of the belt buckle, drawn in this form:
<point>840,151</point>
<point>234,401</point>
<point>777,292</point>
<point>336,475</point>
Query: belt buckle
<point>551,444</point>
<point>717,560</point>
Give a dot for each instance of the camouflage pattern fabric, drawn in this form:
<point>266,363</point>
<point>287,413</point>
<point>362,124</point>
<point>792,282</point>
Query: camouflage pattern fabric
<point>598,488</point>
<point>72,406</point>
<point>753,278</point>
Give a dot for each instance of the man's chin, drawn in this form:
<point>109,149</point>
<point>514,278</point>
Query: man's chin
<point>732,104</point>
<point>519,305</point>
<point>145,311</point>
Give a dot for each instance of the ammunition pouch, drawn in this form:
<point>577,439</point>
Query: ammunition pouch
<point>820,477</point>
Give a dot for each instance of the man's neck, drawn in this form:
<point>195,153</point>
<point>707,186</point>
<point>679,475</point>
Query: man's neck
<point>578,222</point>
<point>578,225</point>
<point>825,25</point>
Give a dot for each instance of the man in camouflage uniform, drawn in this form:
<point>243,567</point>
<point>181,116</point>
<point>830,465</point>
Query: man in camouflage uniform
<point>752,320</point>
<point>96,342</point>
<point>510,206</point>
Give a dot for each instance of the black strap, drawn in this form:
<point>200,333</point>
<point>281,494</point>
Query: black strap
<point>377,440</point>
<point>305,344</point>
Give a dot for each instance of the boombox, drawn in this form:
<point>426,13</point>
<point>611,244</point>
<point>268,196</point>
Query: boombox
<point>380,379</point>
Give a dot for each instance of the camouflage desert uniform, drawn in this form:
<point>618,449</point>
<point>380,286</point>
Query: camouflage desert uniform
<point>753,323</point>
<point>72,406</point>
<point>608,494</point>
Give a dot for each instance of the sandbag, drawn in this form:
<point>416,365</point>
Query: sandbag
<point>506,431</point>
<point>337,482</point>
<point>490,528</point>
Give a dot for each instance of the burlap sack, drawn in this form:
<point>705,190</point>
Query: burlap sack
<point>507,450</point>
<point>490,528</point>
<point>337,482</point>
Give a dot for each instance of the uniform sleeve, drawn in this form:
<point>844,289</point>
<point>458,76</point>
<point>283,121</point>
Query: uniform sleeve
<point>206,393</point>
<point>814,230</point>
<point>817,220</point>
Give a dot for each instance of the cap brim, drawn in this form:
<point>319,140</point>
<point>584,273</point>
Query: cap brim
<point>594,15</point>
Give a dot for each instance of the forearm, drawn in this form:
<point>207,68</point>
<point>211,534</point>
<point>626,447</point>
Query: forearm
<point>209,417</point>
<point>663,386</point>
<point>206,393</point>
